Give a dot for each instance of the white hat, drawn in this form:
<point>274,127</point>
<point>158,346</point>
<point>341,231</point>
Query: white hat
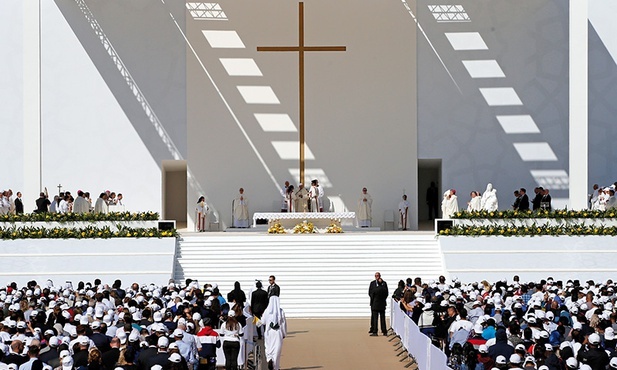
<point>21,325</point>
<point>577,326</point>
<point>173,345</point>
<point>54,341</point>
<point>571,363</point>
<point>565,344</point>
<point>154,367</point>
<point>483,348</point>
<point>520,347</point>
<point>584,367</point>
<point>11,367</point>
<point>175,358</point>
<point>95,324</point>
<point>67,363</point>
<point>515,359</point>
<point>158,316</point>
<point>63,354</point>
<point>134,336</point>
<point>121,335</point>
<point>178,333</point>
<point>594,339</point>
<point>613,363</point>
<point>83,340</point>
<point>544,334</point>
<point>500,360</point>
<point>609,333</point>
<point>548,347</point>
<point>163,342</point>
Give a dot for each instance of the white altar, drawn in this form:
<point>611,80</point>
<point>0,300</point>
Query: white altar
<point>319,219</point>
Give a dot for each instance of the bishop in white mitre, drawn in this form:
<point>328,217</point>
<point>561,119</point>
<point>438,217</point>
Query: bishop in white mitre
<point>241,210</point>
<point>364,209</point>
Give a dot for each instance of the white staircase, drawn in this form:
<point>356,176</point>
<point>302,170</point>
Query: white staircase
<point>319,275</point>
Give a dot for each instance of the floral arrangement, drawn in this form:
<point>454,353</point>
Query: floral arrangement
<point>73,217</point>
<point>276,228</point>
<point>556,214</point>
<point>304,228</point>
<point>533,230</point>
<point>83,233</point>
<point>334,227</point>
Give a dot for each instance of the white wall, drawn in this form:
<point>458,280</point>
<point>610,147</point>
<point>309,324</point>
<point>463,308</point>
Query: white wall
<point>532,258</point>
<point>128,259</point>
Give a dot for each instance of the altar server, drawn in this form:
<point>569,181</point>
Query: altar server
<point>316,195</point>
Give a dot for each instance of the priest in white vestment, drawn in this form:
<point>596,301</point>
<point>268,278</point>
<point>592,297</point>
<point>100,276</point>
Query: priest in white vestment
<point>365,204</point>
<point>81,205</point>
<point>100,206</point>
<point>475,204</point>
<point>489,199</point>
<point>241,210</point>
<point>449,204</point>
<point>202,211</point>
<point>301,196</point>
<point>275,327</point>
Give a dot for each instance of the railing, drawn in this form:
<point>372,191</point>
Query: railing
<point>417,345</point>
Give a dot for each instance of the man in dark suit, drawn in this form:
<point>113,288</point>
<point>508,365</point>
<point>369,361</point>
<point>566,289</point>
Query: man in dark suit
<point>517,200</point>
<point>19,205</point>
<point>273,289</point>
<point>523,205</point>
<point>259,302</point>
<point>378,293</point>
<point>538,198</point>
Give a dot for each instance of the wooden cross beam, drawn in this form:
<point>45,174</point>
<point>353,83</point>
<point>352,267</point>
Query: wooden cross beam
<point>301,49</point>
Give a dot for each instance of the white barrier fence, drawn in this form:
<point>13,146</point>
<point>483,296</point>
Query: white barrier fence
<point>417,344</point>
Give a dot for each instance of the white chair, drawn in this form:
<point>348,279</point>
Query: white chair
<point>389,219</point>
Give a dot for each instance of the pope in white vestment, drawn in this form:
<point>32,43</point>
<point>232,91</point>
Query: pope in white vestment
<point>301,196</point>
<point>275,327</point>
<point>241,210</point>
<point>365,204</point>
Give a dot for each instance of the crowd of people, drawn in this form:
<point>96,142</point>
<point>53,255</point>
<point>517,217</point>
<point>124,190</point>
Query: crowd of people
<point>545,325</point>
<point>603,198</point>
<point>95,326</point>
<point>64,202</point>
<point>488,201</point>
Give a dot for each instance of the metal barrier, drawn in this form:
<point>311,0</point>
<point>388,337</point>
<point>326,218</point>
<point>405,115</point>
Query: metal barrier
<point>416,344</point>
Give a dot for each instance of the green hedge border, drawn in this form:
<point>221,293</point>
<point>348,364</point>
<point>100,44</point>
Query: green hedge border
<point>532,230</point>
<point>84,233</point>
<point>76,217</point>
<point>556,214</point>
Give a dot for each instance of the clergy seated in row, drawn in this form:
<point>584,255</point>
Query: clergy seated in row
<point>241,210</point>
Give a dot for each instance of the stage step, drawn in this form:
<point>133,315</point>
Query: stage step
<point>319,275</point>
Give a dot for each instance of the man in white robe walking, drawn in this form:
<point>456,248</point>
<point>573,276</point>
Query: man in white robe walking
<point>275,331</point>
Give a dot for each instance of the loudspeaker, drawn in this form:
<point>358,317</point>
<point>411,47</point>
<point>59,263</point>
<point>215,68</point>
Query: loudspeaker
<point>261,221</point>
<point>166,225</point>
<point>444,225</point>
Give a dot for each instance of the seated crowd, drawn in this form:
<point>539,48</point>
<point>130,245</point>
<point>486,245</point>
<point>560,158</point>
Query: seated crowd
<point>545,325</point>
<point>102,327</point>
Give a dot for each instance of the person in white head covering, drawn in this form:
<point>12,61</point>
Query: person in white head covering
<point>275,330</point>
<point>489,199</point>
<point>449,205</point>
<point>475,204</point>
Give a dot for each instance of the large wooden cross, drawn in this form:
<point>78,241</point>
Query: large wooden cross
<point>301,48</point>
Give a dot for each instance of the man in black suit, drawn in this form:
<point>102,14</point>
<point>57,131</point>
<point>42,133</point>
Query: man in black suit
<point>19,205</point>
<point>517,200</point>
<point>273,289</point>
<point>378,293</point>
<point>523,205</point>
<point>538,198</point>
<point>259,302</point>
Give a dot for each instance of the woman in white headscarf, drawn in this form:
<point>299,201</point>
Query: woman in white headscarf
<point>275,330</point>
<point>489,199</point>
